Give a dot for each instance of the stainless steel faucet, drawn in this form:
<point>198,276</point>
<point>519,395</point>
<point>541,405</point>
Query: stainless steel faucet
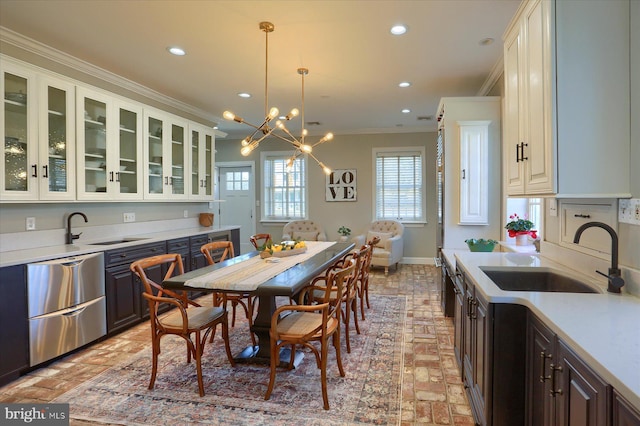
<point>70,235</point>
<point>615,280</point>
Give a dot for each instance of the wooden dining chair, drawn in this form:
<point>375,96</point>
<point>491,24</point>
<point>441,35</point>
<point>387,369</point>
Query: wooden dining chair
<point>307,323</point>
<point>187,319</point>
<point>260,240</point>
<point>225,249</point>
<point>349,300</point>
<point>363,279</point>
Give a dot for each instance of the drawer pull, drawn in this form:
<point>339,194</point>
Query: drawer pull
<point>543,358</point>
<point>553,392</point>
<point>584,216</point>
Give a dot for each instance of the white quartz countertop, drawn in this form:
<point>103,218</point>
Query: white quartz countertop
<point>18,257</point>
<point>603,328</point>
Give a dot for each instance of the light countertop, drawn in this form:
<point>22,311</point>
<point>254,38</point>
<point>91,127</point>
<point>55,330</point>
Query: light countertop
<point>39,254</point>
<point>603,328</point>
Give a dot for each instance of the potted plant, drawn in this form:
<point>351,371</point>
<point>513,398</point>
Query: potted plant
<point>521,229</point>
<point>480,244</point>
<point>344,233</point>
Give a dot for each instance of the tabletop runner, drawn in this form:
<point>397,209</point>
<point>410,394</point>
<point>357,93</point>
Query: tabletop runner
<point>249,274</point>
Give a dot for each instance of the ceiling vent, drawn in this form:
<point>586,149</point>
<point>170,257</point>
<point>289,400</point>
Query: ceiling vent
<point>425,117</point>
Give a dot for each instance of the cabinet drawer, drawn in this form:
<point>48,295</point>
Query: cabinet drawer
<point>179,245</point>
<point>198,241</point>
<point>130,254</point>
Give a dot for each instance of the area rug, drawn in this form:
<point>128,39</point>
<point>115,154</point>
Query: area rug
<point>369,394</point>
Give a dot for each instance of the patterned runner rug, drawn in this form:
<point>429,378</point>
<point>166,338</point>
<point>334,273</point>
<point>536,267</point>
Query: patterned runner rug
<point>369,394</point>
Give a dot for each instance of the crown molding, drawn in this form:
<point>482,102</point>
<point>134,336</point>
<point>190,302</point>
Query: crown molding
<point>47,52</point>
<point>494,76</point>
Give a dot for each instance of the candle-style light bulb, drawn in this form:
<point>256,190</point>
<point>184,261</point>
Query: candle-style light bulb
<point>293,113</point>
<point>228,115</point>
<point>305,148</point>
<point>273,113</point>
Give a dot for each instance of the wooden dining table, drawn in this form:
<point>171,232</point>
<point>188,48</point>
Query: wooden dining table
<point>286,283</point>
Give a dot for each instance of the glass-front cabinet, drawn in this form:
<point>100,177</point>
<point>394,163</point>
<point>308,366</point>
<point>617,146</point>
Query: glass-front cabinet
<point>109,147</point>
<point>166,154</point>
<point>39,137</point>
<point>202,161</point>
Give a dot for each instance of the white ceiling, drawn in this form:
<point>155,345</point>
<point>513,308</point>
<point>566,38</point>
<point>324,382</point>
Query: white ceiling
<point>354,63</point>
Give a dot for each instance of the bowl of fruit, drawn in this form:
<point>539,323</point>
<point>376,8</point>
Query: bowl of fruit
<point>284,249</point>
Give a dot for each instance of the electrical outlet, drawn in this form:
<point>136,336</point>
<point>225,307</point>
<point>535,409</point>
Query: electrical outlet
<point>185,213</point>
<point>629,211</point>
<point>31,223</point>
<point>129,217</point>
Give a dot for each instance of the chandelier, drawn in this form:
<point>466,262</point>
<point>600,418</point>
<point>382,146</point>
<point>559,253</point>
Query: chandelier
<point>264,130</point>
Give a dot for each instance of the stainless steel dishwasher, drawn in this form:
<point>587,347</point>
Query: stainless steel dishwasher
<point>67,307</point>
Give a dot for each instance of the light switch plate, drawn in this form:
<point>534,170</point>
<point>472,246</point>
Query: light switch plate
<point>128,217</point>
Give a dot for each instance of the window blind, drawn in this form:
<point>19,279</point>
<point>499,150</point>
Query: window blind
<point>399,186</point>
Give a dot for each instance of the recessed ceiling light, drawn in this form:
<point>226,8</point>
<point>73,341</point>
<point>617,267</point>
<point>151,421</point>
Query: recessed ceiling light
<point>215,127</point>
<point>406,111</point>
<point>244,95</point>
<point>398,29</point>
<point>175,50</point>
<point>486,41</point>
<point>404,84</point>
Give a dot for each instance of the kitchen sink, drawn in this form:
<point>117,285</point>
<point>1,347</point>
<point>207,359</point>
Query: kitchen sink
<point>536,279</point>
<point>119,241</point>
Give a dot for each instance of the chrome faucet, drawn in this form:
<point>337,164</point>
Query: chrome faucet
<point>70,235</point>
<point>614,276</point>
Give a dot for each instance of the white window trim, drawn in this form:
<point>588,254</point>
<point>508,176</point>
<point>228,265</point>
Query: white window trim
<point>400,150</point>
<point>284,154</point>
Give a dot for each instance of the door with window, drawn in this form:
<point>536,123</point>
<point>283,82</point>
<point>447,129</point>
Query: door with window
<point>237,190</point>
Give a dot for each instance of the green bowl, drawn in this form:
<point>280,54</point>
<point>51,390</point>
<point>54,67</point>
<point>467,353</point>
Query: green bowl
<point>481,246</point>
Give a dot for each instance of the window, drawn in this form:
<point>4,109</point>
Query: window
<point>535,213</point>
<point>284,194</point>
<point>399,184</point>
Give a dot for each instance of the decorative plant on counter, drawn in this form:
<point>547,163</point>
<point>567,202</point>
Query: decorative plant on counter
<point>520,226</point>
<point>344,231</point>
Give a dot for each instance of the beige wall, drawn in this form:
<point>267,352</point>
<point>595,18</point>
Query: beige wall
<point>350,152</point>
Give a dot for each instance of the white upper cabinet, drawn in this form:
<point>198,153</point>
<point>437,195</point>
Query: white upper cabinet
<point>567,100</point>
<point>66,141</point>
<point>474,172</point>
<point>202,162</point>
<point>166,151</point>
<point>109,147</point>
<point>39,140</point>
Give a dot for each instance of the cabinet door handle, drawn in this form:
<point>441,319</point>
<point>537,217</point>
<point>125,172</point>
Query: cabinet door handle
<point>522,145</point>
<point>110,176</point>
<point>464,174</point>
<point>117,176</point>
<point>45,171</point>
<point>543,358</point>
<point>474,303</point>
<point>35,170</point>
<point>553,368</point>
<point>584,216</point>
<point>166,180</point>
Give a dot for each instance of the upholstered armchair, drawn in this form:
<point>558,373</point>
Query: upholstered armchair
<point>390,249</point>
<point>306,230</point>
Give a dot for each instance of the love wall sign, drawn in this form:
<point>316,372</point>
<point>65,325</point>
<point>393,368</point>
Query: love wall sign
<point>341,185</point>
